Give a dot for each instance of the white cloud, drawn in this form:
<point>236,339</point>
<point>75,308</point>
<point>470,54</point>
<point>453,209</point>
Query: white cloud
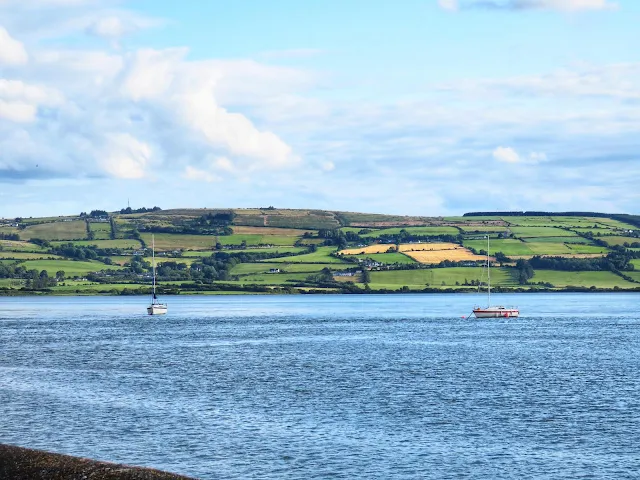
<point>328,166</point>
<point>510,155</point>
<point>192,173</point>
<point>506,154</point>
<point>125,156</point>
<point>560,5</point>
<point>108,27</point>
<point>448,4</point>
<point>12,52</point>
<point>19,101</point>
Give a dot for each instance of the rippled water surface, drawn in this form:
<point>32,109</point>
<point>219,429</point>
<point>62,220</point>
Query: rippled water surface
<point>396,386</point>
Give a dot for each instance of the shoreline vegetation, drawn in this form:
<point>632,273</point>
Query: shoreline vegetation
<point>283,251</point>
<point>18,463</point>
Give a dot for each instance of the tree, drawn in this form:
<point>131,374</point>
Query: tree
<point>366,276</point>
<point>60,275</point>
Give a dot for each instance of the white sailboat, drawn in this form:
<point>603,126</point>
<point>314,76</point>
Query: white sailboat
<point>156,308</point>
<point>496,311</point>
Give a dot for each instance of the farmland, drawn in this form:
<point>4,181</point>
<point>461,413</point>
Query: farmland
<point>241,250</point>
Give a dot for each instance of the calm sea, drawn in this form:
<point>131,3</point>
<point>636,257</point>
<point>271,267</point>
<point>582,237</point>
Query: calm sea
<point>305,387</point>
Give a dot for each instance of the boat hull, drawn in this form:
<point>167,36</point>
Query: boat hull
<point>157,309</point>
<point>496,312</point>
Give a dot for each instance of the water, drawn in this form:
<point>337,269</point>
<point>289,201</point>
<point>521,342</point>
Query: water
<point>389,387</point>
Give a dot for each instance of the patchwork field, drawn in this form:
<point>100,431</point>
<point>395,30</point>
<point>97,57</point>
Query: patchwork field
<point>70,267</point>
<point>387,258</point>
<point>272,230</point>
<point>439,277</point>
<point>74,230</point>
<point>582,279</point>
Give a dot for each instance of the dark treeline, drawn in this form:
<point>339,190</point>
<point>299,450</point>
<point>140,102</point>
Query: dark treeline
<point>621,217</point>
<point>128,210</point>
<point>9,236</point>
<point>618,260</point>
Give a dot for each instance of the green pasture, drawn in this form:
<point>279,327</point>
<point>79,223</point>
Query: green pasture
<point>470,229</point>
<point>121,243</point>
<point>170,241</point>
<point>101,231</point>
<point>576,240</point>
<point>581,279</point>
<point>73,230</point>
<point>253,268</point>
<point>508,246</point>
<point>636,263</point>
<point>11,283</point>
<point>424,231</point>
<point>27,256</point>
<point>254,239</point>
<point>70,267</point>
<point>208,253</point>
<point>434,277</point>
<point>543,248</point>
<point>322,255</point>
<point>601,230</point>
<point>19,246</point>
<point>541,232</point>
<point>386,258</point>
<point>269,279</point>
<point>577,248</point>
<point>635,275</point>
<point>618,240</point>
<point>491,218</point>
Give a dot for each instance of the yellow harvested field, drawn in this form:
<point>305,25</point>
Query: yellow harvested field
<point>377,248</point>
<point>414,247</point>
<point>422,252</point>
<point>438,252</point>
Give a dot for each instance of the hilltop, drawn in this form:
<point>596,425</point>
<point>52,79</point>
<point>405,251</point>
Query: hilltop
<point>221,250</point>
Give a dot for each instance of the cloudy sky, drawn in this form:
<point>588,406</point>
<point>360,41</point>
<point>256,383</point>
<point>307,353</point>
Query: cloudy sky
<point>426,107</point>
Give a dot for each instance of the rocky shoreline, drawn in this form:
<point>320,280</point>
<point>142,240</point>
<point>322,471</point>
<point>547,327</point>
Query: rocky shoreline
<point>17,463</point>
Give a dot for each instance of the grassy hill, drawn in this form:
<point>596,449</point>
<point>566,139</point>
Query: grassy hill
<point>287,250</point>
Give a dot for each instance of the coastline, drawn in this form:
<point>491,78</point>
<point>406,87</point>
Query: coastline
<point>19,463</point>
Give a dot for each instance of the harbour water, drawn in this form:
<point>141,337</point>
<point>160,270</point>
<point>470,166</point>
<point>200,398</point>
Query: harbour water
<point>329,386</point>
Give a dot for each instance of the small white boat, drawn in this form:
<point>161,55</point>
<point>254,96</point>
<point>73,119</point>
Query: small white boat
<point>156,308</point>
<point>497,311</point>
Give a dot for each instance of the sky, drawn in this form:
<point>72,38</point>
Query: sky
<point>415,107</point>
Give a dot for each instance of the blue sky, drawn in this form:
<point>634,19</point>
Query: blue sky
<point>411,107</point>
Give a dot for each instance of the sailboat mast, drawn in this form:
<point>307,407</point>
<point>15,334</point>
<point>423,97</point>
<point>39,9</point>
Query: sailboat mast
<point>153,262</point>
<point>488,274</point>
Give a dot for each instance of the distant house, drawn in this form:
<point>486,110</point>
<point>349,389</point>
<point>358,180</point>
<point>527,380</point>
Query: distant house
<point>343,274</point>
<point>274,270</point>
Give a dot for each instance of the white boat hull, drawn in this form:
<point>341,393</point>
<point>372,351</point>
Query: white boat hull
<point>496,312</point>
<point>157,309</point>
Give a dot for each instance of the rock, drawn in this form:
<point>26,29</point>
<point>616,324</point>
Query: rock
<point>18,463</point>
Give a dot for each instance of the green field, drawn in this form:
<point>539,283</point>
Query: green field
<point>592,249</point>
<point>544,248</point>
<point>121,243</point>
<point>424,231</point>
<point>617,240</point>
<point>269,279</point>
<point>387,258</point>
<point>322,255</point>
<point>581,279</point>
<point>101,231</point>
<point>508,246</point>
<point>74,230</point>
<point>70,267</point>
<point>577,240</point>
<point>523,232</point>
<point>434,277</point>
<point>252,268</point>
<point>27,255</point>
<point>15,246</point>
